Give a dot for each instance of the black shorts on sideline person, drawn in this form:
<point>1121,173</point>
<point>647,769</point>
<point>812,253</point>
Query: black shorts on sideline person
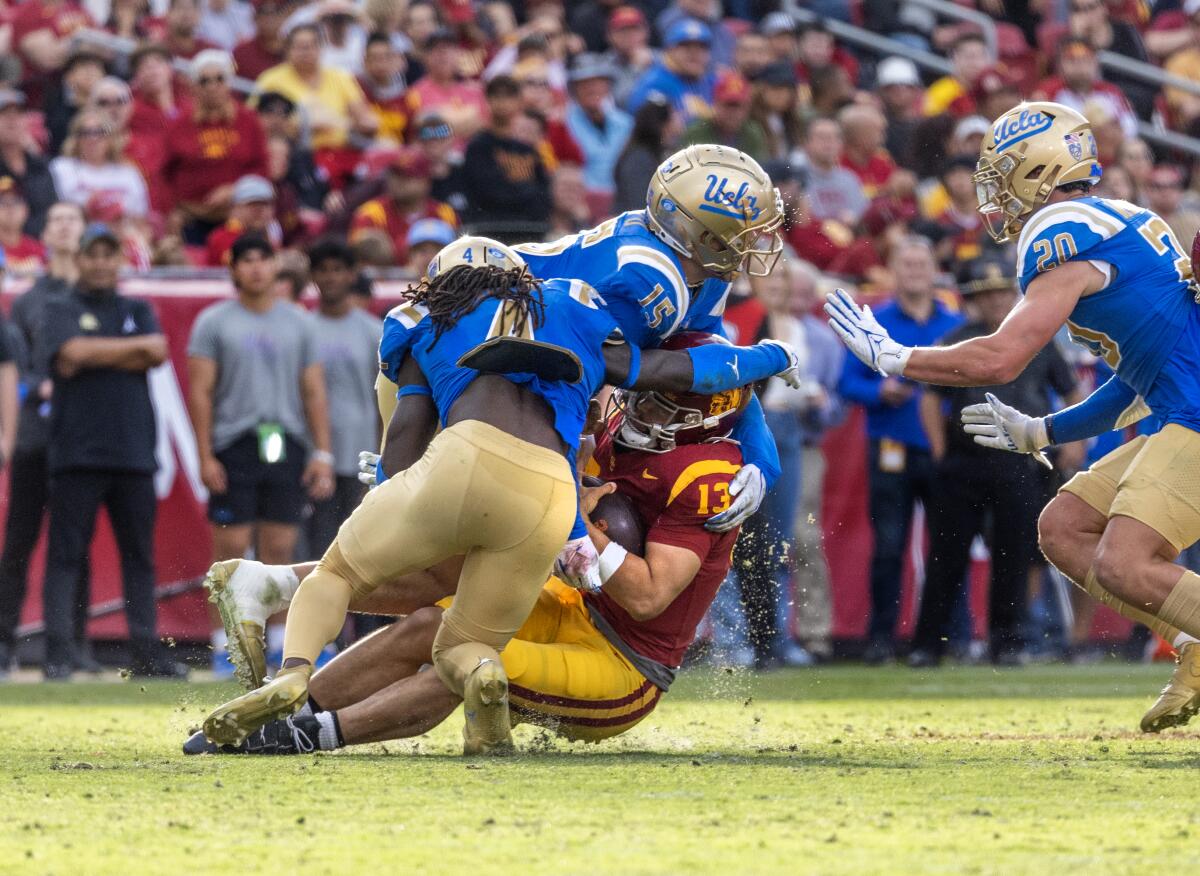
<point>257,490</point>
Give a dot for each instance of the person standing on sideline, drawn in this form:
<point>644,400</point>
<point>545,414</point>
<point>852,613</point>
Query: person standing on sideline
<point>899,466</point>
<point>256,397</point>
<point>29,480</point>
<point>100,345</point>
<point>970,481</point>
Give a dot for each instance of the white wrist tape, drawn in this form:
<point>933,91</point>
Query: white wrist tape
<point>610,560</point>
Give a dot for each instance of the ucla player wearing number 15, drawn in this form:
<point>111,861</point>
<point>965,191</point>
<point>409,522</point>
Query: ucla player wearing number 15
<point>1119,279</point>
<point>710,211</point>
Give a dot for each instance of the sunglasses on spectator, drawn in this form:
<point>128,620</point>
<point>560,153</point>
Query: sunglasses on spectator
<point>210,80</point>
<point>93,132</point>
<point>111,101</point>
<point>536,83</point>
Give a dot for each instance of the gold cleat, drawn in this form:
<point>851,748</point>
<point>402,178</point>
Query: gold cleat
<point>246,638</point>
<point>485,704</point>
<point>281,696</point>
<point>1180,699</point>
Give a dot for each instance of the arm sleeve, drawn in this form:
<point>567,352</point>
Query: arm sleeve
<point>146,318</point>
<point>394,343</point>
<point>1113,405</point>
<point>203,341</point>
<point>758,445</point>
<point>718,367</point>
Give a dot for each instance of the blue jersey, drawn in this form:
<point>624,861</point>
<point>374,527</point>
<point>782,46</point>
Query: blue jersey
<point>574,321</point>
<point>638,276</point>
<point>1145,322</point>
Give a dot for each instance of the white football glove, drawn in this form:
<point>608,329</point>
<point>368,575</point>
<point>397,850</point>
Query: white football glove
<point>748,488</point>
<point>791,375</point>
<point>995,424</point>
<point>578,564</point>
<point>863,334</point>
<point>368,460</point>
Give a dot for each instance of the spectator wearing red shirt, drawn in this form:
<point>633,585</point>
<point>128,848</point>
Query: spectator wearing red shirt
<point>253,212</point>
<point>383,85</point>
<point>212,147</point>
<point>22,253</point>
<point>460,103</point>
<point>864,131</point>
<point>157,105</point>
<point>405,201</point>
<point>41,35</point>
<point>264,50</point>
<point>181,21</point>
<point>1078,85</point>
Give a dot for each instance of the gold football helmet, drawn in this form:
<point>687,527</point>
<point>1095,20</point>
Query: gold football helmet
<point>474,252</point>
<point>1032,149</point>
<point>718,206</point>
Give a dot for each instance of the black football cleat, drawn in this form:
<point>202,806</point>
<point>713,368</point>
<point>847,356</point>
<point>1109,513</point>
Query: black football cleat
<point>294,735</point>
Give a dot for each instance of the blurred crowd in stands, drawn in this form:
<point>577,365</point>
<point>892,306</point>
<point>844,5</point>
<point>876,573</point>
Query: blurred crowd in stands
<point>377,131</point>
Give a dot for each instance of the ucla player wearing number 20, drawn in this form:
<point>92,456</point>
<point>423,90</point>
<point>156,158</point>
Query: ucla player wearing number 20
<point>1117,277</point>
<point>710,211</point>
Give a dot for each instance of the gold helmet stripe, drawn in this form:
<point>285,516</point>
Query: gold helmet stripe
<point>644,255</point>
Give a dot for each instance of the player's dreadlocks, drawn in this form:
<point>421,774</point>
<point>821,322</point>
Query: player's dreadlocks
<point>450,296</point>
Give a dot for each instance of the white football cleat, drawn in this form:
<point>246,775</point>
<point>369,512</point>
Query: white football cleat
<point>246,593</point>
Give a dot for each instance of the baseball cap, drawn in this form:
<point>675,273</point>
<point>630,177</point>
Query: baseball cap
<point>273,101</point>
<point>993,81</point>
<point>430,231</point>
<point>208,59</point>
<point>777,23</point>
<point>433,127</point>
<point>780,170</point>
<point>411,162</point>
<point>626,16</point>
<point>971,126</point>
<point>897,71</point>
<point>458,11</point>
<point>11,97</point>
<point>591,66</point>
<point>986,274</point>
<point>731,87</point>
<point>689,30</point>
<point>251,189</point>
<point>1191,7</point>
<point>778,73</point>
<point>97,232</point>
<point>248,243</point>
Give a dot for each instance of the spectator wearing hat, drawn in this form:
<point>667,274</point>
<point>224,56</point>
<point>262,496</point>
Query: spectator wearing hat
<point>425,239</point>
<point>406,199</point>
<point>899,465</point>
<point>181,35</point>
<point>460,102</point>
<point>507,184</point>
<point>630,54</point>
<point>253,212</point>
<point>1079,86</point>
<point>864,131</point>
<point>23,255</point>
<point>971,483</point>
<point>899,87</point>
<point>598,126</point>
<point>42,35</point>
<point>82,70</point>
<point>994,94</point>
<point>29,479</point>
<point>435,138</point>
<point>710,13</point>
<point>211,148</point>
<point>969,57</point>
<point>99,345</point>
<point>157,105</point>
<point>383,83</point>
<point>730,123</point>
<point>775,105</point>
<point>263,49</point>
<point>30,171</point>
<point>656,129</point>
<point>833,191</point>
<point>93,172</point>
<point>683,74</point>
<point>347,344</point>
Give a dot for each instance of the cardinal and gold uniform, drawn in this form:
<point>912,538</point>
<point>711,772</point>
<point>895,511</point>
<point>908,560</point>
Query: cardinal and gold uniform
<point>580,664</point>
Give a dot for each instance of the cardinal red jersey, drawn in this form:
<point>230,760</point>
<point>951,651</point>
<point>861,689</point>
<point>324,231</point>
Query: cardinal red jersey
<point>675,494</point>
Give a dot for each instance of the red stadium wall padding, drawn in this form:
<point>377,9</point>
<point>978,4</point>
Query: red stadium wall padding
<point>183,546</point>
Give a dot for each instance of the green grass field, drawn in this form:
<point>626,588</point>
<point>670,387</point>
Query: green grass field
<point>841,770</point>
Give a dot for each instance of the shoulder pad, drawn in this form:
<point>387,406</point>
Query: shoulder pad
<point>1060,232</point>
<point>408,315</point>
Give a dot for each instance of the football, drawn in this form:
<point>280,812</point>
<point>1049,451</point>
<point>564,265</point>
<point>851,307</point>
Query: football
<point>616,517</point>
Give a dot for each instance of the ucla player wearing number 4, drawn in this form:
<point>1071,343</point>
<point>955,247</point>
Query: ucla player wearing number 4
<point>1117,277</point>
<point>710,212</point>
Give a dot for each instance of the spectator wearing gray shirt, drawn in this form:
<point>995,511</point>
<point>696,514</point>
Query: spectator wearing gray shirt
<point>348,350</point>
<point>833,191</point>
<point>257,402</point>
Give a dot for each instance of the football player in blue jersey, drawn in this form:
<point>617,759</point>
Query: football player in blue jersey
<point>710,212</point>
<point>507,365</point>
<point>1115,274</point>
